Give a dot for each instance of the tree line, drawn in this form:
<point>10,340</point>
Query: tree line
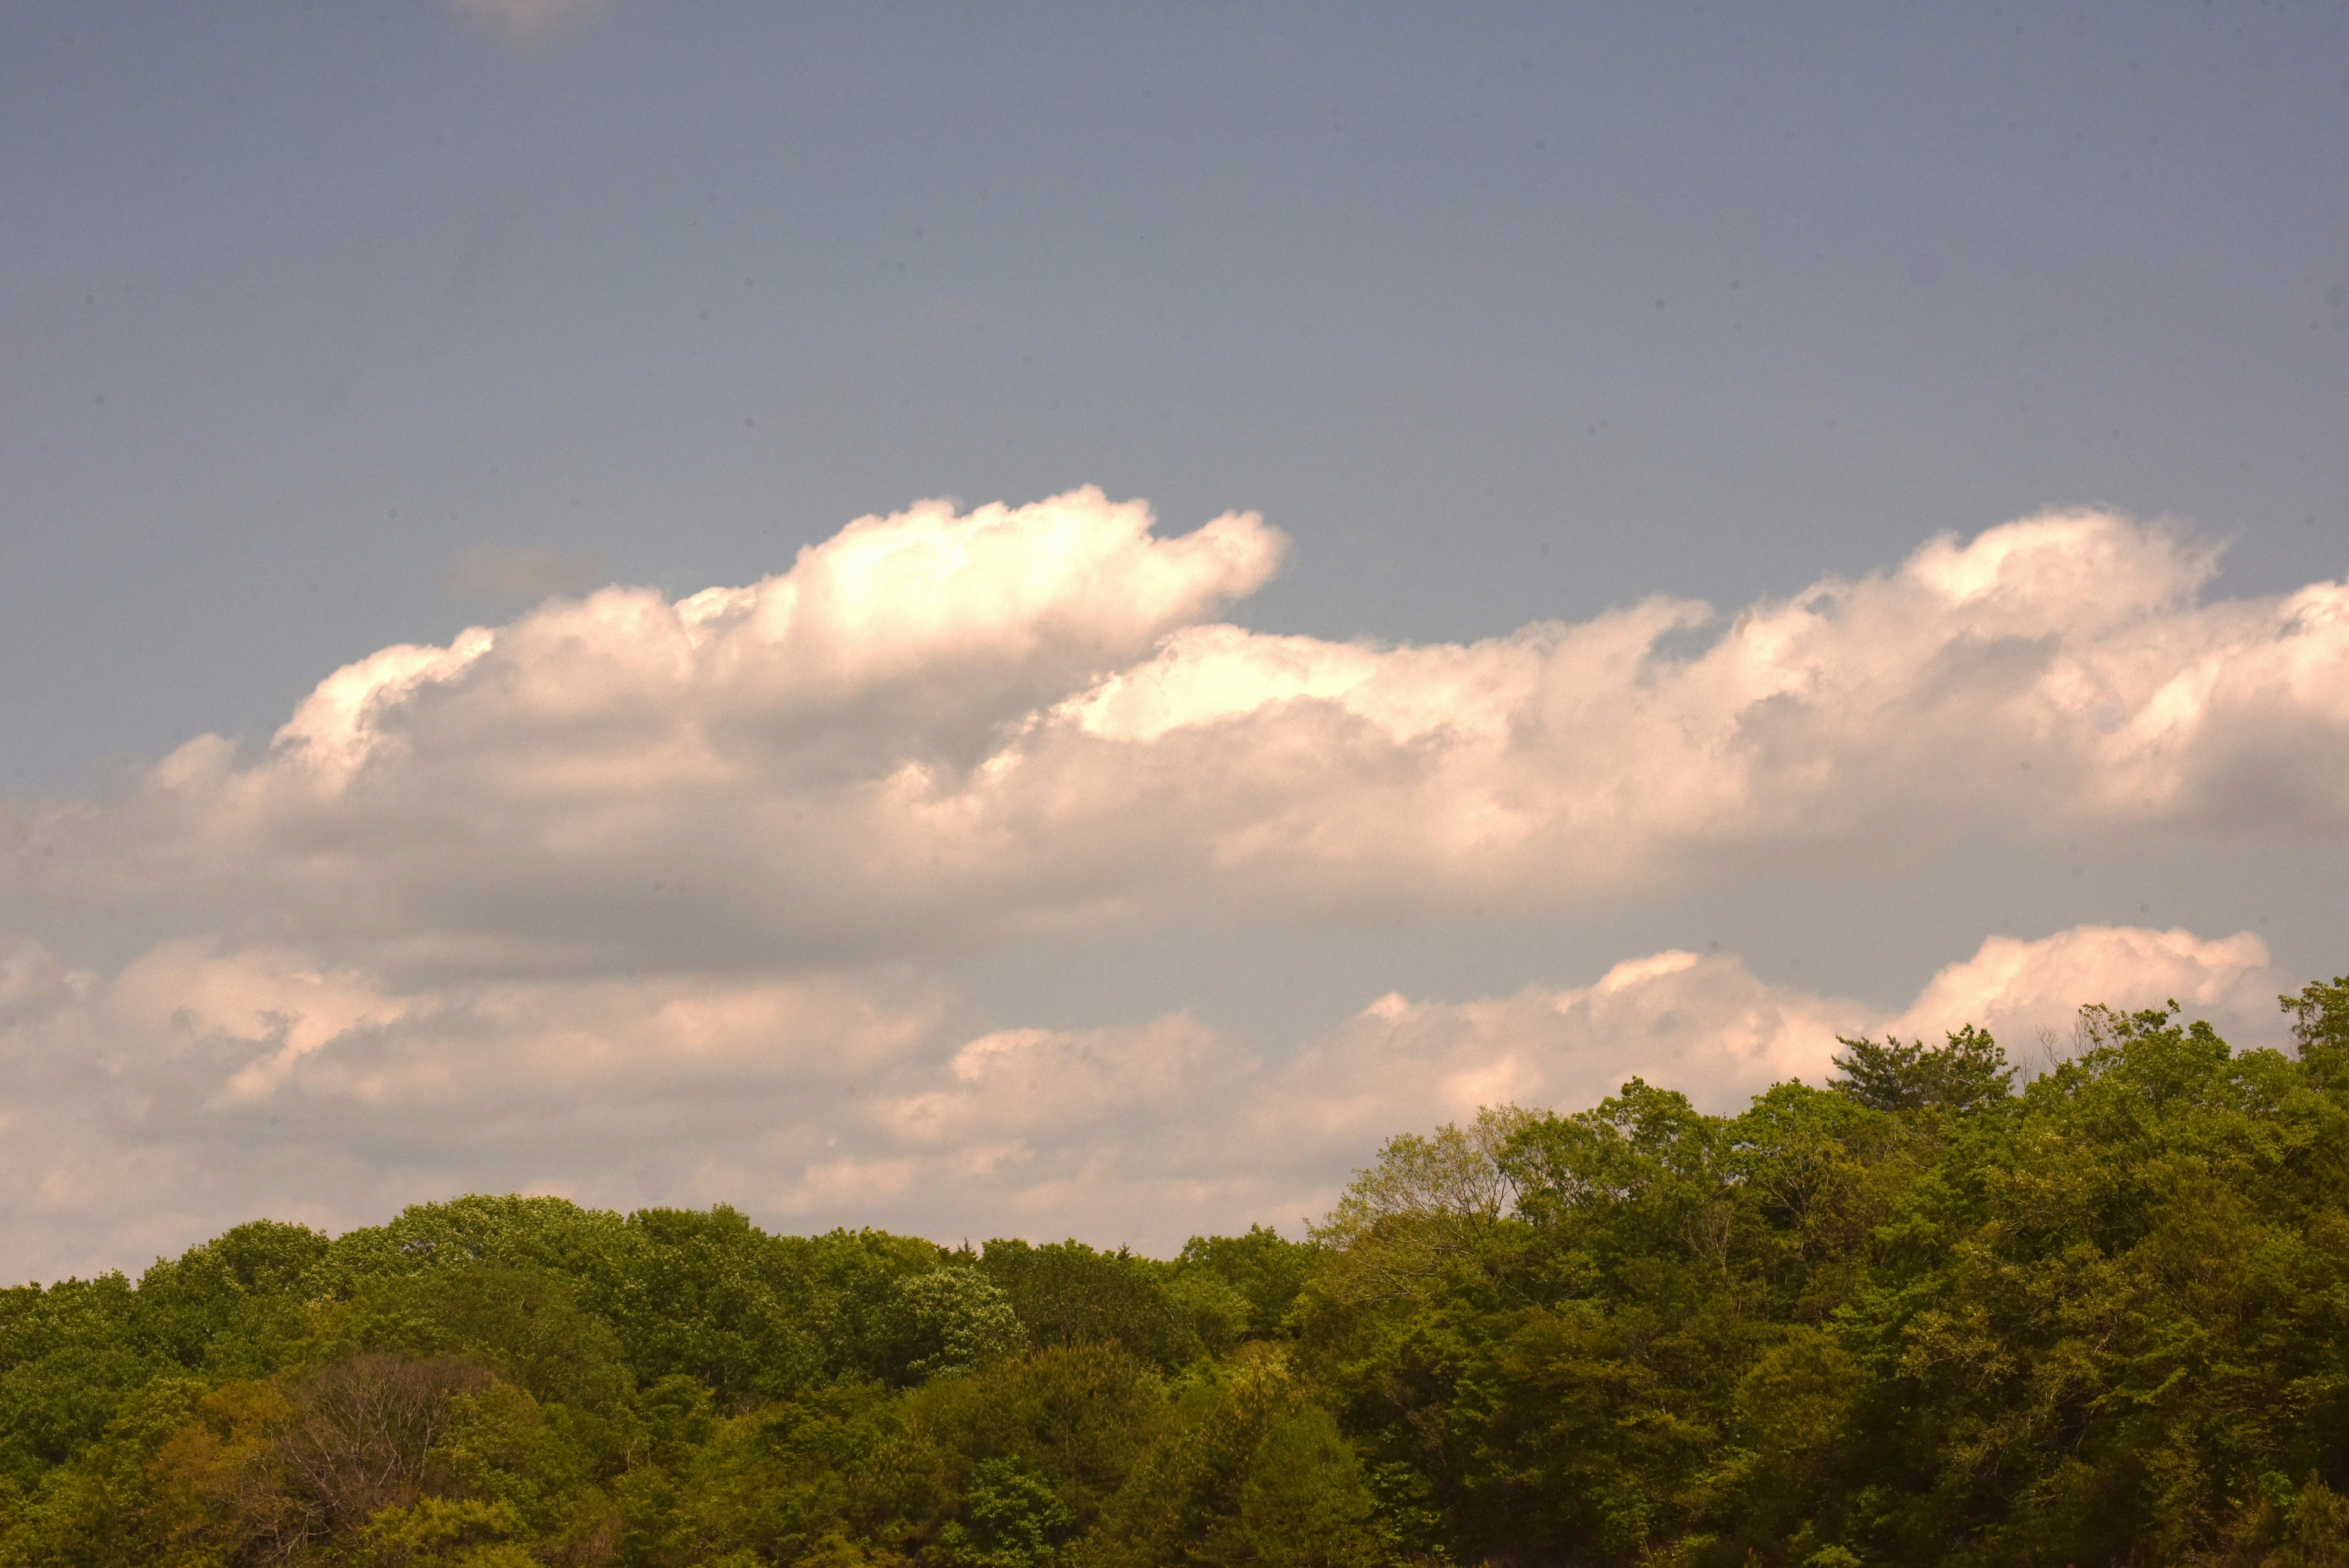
<point>1921,1315</point>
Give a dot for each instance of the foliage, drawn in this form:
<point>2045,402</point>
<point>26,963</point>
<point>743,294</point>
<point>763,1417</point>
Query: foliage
<point>1969,1071</point>
<point>1915,1316</point>
<point>955,1320</point>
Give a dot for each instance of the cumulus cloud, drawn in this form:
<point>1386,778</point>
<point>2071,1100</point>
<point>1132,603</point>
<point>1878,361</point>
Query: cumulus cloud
<point>198,1085</point>
<point>2027,993</point>
<point>644,900</point>
<point>939,727</point>
<point>807,767</point>
<point>201,1084</point>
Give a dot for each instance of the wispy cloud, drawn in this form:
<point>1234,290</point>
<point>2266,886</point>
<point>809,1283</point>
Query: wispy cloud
<point>502,572</point>
<point>524,20</point>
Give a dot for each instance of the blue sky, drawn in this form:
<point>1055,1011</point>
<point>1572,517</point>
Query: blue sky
<point>330,330</point>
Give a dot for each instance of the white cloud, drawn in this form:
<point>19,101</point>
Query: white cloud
<point>2027,993</point>
<point>643,899</point>
<point>197,1087</point>
<point>942,729</point>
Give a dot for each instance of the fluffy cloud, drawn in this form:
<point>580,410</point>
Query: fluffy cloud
<point>939,728</point>
<point>1706,1025</point>
<point>796,770</point>
<point>644,900</point>
<point>2026,994</point>
<point>197,1087</point>
<point>201,1084</point>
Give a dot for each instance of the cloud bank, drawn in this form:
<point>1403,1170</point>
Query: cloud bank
<point>195,1088</point>
<point>649,899</point>
<point>941,728</point>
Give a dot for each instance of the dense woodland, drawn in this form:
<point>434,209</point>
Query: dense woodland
<point>1926,1314</point>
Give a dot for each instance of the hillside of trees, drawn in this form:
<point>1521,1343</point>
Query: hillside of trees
<point>1927,1314</point>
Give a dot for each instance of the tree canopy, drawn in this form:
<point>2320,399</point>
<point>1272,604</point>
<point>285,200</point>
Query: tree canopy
<point>1921,1315</point>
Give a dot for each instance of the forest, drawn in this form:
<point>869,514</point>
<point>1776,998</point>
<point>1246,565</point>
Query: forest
<point>1936,1311</point>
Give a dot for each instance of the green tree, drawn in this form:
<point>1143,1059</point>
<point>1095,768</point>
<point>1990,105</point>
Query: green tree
<point>2320,1025</point>
<point>1010,1519</point>
<point>1266,1271</point>
<point>956,1320</point>
<point>1968,1071</point>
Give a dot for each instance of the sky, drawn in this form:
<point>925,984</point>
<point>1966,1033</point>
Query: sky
<point>1053,620</point>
